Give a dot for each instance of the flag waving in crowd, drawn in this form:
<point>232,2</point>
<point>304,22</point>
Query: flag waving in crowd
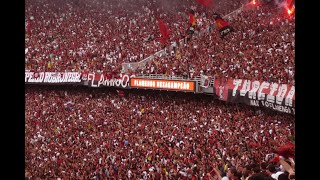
<point>222,26</point>
<point>192,18</point>
<point>192,22</point>
<point>164,31</point>
<point>220,23</point>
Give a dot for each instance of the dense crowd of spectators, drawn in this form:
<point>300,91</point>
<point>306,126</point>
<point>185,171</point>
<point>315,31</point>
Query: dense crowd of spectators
<point>72,35</point>
<point>262,47</point>
<point>95,35</point>
<point>98,36</point>
<point>84,133</point>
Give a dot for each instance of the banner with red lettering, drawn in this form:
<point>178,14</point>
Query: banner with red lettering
<point>279,97</point>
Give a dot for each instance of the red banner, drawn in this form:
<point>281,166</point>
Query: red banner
<point>163,84</point>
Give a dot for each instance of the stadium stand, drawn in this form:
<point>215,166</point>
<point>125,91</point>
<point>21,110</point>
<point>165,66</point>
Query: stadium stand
<point>76,131</point>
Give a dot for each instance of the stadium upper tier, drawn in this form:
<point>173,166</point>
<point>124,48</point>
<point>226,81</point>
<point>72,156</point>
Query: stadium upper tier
<point>99,36</point>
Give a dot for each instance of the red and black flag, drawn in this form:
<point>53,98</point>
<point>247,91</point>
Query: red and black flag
<point>192,19</point>
<point>220,23</point>
<point>222,26</point>
<point>164,31</point>
<point>206,3</point>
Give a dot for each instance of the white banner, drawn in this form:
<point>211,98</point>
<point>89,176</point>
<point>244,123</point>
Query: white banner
<point>52,77</point>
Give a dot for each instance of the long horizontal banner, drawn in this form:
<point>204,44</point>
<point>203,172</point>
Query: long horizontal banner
<point>99,80</point>
<point>279,97</point>
<point>163,84</point>
<point>52,77</point>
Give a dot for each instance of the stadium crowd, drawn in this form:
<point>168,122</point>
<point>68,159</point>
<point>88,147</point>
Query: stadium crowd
<point>70,35</point>
<point>76,132</point>
<point>84,133</point>
<point>99,37</point>
<point>262,47</point>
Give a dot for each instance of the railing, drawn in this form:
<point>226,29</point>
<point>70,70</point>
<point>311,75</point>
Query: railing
<point>142,63</point>
<point>134,65</point>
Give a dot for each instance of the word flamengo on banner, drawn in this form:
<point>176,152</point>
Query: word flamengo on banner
<point>97,80</point>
